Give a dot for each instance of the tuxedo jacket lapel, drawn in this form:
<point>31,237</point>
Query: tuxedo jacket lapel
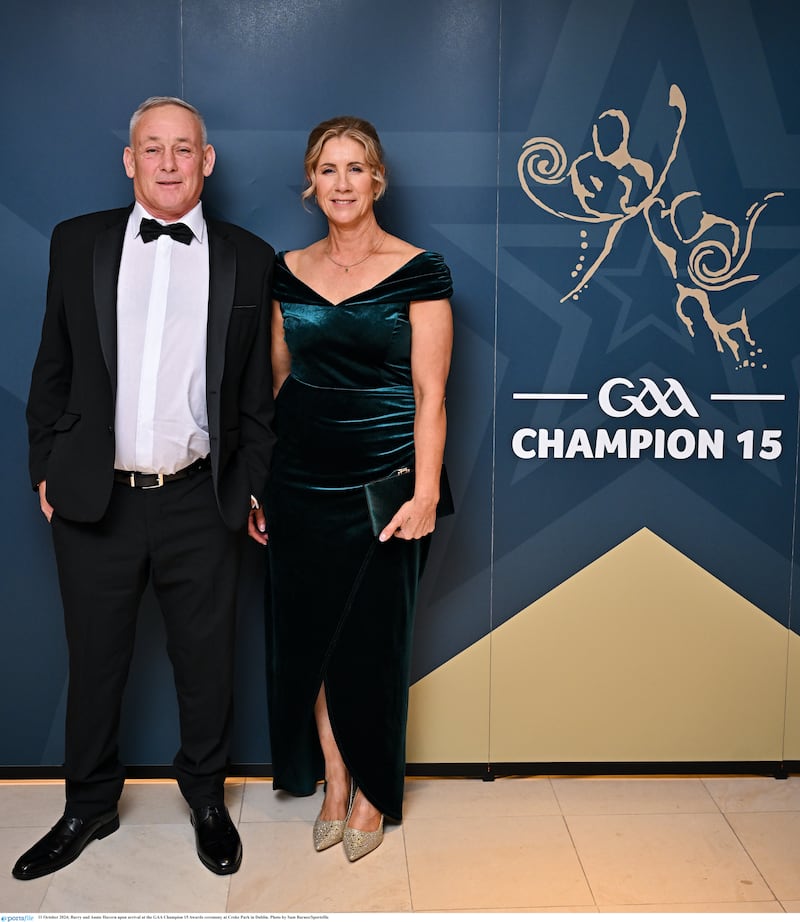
<point>107,259</point>
<point>221,291</point>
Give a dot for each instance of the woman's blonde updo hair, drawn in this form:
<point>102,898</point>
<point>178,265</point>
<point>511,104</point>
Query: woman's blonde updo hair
<point>345,126</point>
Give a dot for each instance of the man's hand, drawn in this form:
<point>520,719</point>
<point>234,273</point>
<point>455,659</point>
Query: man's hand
<point>257,523</point>
<point>47,509</point>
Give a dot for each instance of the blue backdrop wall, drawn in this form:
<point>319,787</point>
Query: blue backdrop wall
<point>614,184</point>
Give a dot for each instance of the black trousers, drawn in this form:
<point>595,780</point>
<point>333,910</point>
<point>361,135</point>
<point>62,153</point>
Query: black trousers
<point>174,536</point>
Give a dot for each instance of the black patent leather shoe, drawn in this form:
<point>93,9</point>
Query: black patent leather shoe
<point>218,844</point>
<point>62,845</point>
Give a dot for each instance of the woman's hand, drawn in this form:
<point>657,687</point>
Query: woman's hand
<point>414,519</point>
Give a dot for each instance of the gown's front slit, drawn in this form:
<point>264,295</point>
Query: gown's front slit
<point>341,606</point>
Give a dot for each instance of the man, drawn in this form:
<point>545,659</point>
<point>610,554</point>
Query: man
<point>149,422</point>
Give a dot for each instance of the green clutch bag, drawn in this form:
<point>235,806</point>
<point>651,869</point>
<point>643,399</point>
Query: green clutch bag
<point>387,495</point>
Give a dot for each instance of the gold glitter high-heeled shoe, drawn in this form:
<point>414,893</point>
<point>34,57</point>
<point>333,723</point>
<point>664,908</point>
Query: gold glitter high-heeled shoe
<point>331,832</point>
<point>358,843</point>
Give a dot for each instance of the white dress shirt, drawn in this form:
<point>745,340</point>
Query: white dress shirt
<point>162,310</point>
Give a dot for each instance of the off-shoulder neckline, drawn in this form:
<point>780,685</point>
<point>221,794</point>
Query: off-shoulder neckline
<point>358,294</point>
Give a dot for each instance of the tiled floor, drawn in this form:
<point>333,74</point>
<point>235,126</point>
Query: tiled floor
<point>544,844</point>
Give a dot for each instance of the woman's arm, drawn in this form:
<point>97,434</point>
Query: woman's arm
<point>281,366</point>
<point>431,348</point>
<point>281,360</point>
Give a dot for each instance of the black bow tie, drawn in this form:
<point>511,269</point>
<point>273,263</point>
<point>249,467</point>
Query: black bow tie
<point>150,229</point>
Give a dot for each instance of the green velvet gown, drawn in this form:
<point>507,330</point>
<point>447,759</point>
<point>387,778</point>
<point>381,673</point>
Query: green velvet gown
<point>341,604</point>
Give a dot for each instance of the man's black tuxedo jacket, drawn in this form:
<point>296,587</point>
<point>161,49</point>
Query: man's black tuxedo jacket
<point>73,386</point>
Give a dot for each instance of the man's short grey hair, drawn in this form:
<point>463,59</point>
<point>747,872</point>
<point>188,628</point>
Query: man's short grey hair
<point>154,102</point>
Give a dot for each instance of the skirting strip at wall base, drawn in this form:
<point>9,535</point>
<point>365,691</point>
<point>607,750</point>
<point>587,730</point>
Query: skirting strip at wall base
<point>487,772</point>
<point>492,771</point>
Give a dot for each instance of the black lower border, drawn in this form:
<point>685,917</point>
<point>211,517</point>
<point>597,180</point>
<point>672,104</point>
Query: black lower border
<point>484,771</point>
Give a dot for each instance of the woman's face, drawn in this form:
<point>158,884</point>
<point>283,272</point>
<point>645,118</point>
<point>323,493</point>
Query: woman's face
<point>345,188</point>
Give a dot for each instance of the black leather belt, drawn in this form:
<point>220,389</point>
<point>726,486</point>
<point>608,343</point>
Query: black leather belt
<point>151,481</point>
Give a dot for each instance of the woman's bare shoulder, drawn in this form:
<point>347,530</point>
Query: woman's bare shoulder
<point>402,249</point>
<point>299,260</point>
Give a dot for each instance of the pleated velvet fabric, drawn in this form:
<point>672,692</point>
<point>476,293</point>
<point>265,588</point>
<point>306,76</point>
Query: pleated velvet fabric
<point>340,607</point>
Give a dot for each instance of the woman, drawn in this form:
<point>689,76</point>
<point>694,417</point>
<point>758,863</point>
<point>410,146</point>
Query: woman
<point>362,336</point>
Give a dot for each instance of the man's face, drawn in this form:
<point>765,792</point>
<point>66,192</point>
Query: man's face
<point>168,162</point>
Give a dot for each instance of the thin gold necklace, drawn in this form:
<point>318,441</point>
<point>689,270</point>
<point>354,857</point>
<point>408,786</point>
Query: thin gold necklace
<point>347,267</point>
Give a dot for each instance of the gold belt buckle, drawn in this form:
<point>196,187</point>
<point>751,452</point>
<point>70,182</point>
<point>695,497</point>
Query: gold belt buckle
<point>155,486</point>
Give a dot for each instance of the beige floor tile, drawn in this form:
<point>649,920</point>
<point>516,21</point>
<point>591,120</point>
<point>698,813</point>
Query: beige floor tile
<point>139,869</point>
<point>142,802</point>
<point>152,802</point>
<point>493,863</point>
<point>522,912</point>
<point>36,803</point>
<point>755,795</point>
<point>679,858</point>
<point>645,844</point>
<point>281,872</point>
<point>773,842</point>
<point>234,798</point>
<point>600,796</point>
<point>472,797</point>
<point>262,804</point>
<point>572,910</point>
<point>715,908</point>
<point>18,896</point>
<point>161,802</point>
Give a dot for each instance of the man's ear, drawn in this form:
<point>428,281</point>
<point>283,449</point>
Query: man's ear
<point>128,160</point>
<point>209,159</point>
